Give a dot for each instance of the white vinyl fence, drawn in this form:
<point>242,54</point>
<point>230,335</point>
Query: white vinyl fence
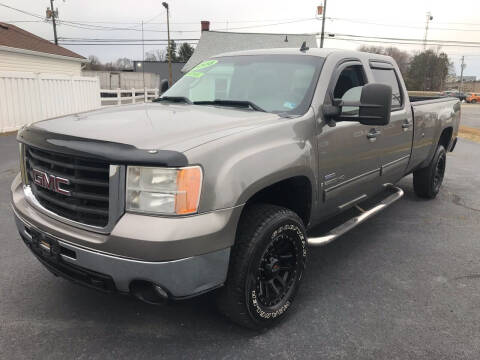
<point>131,96</point>
<point>29,97</point>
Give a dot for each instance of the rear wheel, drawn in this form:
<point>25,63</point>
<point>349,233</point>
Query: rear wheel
<point>266,266</point>
<point>474,101</point>
<point>427,181</point>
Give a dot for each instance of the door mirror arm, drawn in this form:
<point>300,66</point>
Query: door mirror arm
<point>330,114</point>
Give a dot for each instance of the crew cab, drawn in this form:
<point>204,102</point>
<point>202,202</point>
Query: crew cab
<point>216,184</point>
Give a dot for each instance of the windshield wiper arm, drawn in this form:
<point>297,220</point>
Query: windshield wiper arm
<point>235,103</point>
<point>173,99</point>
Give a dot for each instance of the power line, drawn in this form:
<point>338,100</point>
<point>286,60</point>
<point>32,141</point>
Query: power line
<point>121,40</point>
<point>266,25</point>
<point>401,42</point>
<point>87,24</point>
<point>119,44</point>
<point>109,28</point>
<point>359,21</point>
<point>22,11</point>
<point>406,39</point>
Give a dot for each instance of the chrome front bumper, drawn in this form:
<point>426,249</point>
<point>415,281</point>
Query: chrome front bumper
<point>180,278</point>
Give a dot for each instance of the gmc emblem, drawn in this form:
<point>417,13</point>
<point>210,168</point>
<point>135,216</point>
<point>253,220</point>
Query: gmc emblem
<point>50,182</point>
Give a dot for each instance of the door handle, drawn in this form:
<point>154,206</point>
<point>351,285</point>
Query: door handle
<point>372,135</point>
<point>405,126</point>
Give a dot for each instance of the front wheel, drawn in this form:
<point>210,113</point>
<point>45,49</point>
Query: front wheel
<point>266,266</point>
<point>427,181</point>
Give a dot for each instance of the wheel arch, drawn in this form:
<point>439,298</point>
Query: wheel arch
<point>295,193</point>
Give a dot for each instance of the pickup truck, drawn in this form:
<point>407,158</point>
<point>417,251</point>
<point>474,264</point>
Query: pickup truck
<point>217,184</point>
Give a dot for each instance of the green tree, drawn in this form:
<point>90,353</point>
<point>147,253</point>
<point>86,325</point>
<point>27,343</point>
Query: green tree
<point>428,71</point>
<point>185,52</point>
<point>172,49</point>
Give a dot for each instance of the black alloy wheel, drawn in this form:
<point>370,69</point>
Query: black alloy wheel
<point>276,274</point>
<point>266,266</point>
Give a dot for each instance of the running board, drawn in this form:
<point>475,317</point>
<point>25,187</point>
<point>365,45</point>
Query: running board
<point>357,220</point>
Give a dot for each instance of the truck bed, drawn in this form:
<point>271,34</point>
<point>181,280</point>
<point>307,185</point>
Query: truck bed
<point>415,100</point>
<point>431,114</point>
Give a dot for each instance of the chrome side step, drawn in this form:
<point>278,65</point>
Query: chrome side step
<point>357,220</point>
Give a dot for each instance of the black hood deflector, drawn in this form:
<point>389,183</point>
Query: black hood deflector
<point>111,152</point>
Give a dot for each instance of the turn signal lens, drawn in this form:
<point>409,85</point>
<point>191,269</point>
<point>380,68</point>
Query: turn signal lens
<point>189,182</point>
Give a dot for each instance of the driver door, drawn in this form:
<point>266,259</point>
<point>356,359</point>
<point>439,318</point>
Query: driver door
<point>349,154</point>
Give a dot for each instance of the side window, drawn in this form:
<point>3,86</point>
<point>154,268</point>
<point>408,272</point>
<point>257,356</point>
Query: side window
<point>388,77</point>
<point>349,87</point>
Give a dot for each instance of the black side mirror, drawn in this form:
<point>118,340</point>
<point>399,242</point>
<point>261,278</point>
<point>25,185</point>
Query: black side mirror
<point>163,85</point>
<point>375,104</point>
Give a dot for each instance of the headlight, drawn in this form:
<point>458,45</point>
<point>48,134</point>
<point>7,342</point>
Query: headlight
<point>163,190</point>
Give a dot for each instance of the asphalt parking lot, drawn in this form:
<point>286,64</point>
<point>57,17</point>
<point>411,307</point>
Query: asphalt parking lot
<point>470,115</point>
<point>404,285</point>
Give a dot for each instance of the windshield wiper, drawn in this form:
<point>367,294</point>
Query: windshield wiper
<point>182,99</point>
<point>234,103</point>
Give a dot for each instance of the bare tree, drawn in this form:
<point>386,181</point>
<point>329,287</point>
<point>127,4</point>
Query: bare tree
<point>156,55</point>
<point>93,63</point>
<point>124,63</point>
<point>401,57</point>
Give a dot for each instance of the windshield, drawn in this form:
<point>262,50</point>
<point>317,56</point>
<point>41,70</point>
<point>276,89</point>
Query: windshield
<point>273,83</point>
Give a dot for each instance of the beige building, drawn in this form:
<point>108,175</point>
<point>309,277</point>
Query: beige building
<point>23,51</point>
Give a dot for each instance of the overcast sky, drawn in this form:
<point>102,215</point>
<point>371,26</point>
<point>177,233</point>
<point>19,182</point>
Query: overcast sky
<point>458,21</point>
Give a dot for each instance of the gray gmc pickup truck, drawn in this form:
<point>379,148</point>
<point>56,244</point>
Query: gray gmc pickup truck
<point>216,184</point>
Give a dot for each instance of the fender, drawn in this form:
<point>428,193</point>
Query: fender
<point>238,166</point>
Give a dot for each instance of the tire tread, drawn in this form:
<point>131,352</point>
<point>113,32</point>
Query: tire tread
<point>231,299</point>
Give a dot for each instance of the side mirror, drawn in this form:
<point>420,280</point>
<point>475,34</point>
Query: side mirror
<point>163,86</point>
<point>373,108</point>
<point>375,104</point>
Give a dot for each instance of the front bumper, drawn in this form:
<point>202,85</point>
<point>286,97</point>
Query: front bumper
<point>179,278</point>
<point>184,256</point>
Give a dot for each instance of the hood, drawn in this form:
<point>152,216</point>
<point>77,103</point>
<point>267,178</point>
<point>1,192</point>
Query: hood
<point>165,126</point>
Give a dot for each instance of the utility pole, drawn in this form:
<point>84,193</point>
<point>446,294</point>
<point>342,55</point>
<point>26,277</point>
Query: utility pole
<point>53,14</point>
<point>429,18</point>
<point>143,62</point>
<point>169,47</point>
<point>323,12</point>
<point>462,66</point>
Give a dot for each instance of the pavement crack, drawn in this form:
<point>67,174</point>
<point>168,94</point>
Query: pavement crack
<point>457,200</point>
<point>469,276</point>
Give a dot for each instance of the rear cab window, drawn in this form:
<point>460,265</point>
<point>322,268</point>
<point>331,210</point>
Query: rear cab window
<point>384,73</point>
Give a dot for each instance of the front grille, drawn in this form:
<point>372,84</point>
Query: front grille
<point>89,186</point>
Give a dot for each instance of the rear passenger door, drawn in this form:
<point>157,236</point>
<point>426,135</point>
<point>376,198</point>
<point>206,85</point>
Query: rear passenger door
<point>396,137</point>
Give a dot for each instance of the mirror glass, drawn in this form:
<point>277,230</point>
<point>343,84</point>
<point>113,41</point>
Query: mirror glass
<point>352,95</point>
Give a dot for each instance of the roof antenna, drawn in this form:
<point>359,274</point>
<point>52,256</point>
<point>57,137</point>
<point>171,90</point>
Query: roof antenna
<point>304,47</point>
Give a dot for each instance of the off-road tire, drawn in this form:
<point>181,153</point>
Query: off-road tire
<point>427,181</point>
<point>258,232</point>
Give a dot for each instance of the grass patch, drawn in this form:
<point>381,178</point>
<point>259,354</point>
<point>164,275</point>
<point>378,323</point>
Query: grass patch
<point>469,133</point>
<point>8,133</point>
